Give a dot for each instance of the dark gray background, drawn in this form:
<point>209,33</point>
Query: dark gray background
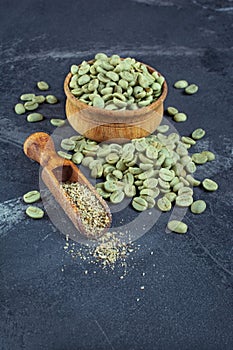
<point>187,300</point>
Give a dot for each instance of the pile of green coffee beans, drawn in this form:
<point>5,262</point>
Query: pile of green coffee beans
<point>31,102</point>
<point>114,83</point>
<point>155,171</point>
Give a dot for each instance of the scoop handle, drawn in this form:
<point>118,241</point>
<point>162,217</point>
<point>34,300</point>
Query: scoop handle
<point>40,147</point>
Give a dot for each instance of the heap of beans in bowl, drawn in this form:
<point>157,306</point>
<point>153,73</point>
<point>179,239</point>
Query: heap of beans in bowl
<point>114,83</point>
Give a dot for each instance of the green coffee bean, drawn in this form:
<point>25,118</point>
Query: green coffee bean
<point>64,155</point>
<point>156,87</point>
<point>118,174</point>
<point>51,99</point>
<point>97,171</point>
<point>19,108</point>
<point>192,181</point>
<point>123,83</point>
<point>91,147</point>
<point>35,117</point>
<point>210,155</point>
<point>31,105</point>
<point>191,167</point>
<point>31,197</point>
<point>138,182</point>
<point>150,201</point>
<point>163,128</point>
<point>166,175</point>
<point>112,158</point>
<point>128,179</point>
<point>83,69</point>
<point>130,190</point>
<point>185,191</point>
<point>172,111</point>
<point>34,212</point>
<point>150,183</point>
<point>188,140</point>
<point>68,144</point>
<point>209,185</point>
<point>77,158</point>
<point>139,204</point>
<point>117,197</point>
<point>181,84</point>
<point>103,193</point>
<point>98,102</point>
<point>171,196</point>
<point>42,85</point>
<point>87,160</point>
<point>164,204</point>
<point>177,186</point>
<point>198,134</point>
<point>57,122</point>
<point>177,226</point>
<point>147,192</point>
<point>198,207</point>
<point>199,158</point>
<point>27,97</point>
<point>185,160</point>
<point>164,184</point>
<point>174,181</point>
<point>110,186</point>
<point>146,174</point>
<point>184,200</point>
<point>39,99</point>
<point>120,165</point>
<point>185,182</point>
<point>152,152</point>
<point>191,89</point>
<point>180,117</point>
<point>74,69</point>
<point>145,167</point>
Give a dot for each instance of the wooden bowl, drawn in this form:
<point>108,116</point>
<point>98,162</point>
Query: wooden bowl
<point>100,124</point>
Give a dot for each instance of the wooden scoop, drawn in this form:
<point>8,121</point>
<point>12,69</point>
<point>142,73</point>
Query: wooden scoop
<point>40,147</point>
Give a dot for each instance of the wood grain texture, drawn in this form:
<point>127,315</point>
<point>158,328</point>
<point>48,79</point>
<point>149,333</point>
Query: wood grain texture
<point>101,125</point>
<point>40,147</point>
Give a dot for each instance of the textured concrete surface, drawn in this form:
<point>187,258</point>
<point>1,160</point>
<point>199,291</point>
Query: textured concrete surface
<point>46,299</point>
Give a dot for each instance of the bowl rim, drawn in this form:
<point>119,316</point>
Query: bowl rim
<point>118,114</point>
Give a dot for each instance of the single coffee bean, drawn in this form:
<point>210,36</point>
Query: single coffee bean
<point>164,204</point>
<point>27,97</point>
<point>198,134</point>
<point>42,85</point>
<point>34,212</point>
<point>68,144</point>
<point>180,117</point>
<point>39,99</point>
<point>198,207</point>
<point>19,108</point>
<point>184,200</point>
<point>31,105</point>
<point>191,89</point>
<point>209,185</point>
<point>181,84</point>
<point>35,117</point>
<point>177,226</point>
<point>163,128</point>
<point>31,197</point>
<point>64,155</point>
<point>51,99</point>
<point>172,111</point>
<point>139,204</point>
<point>57,122</point>
<point>117,197</point>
